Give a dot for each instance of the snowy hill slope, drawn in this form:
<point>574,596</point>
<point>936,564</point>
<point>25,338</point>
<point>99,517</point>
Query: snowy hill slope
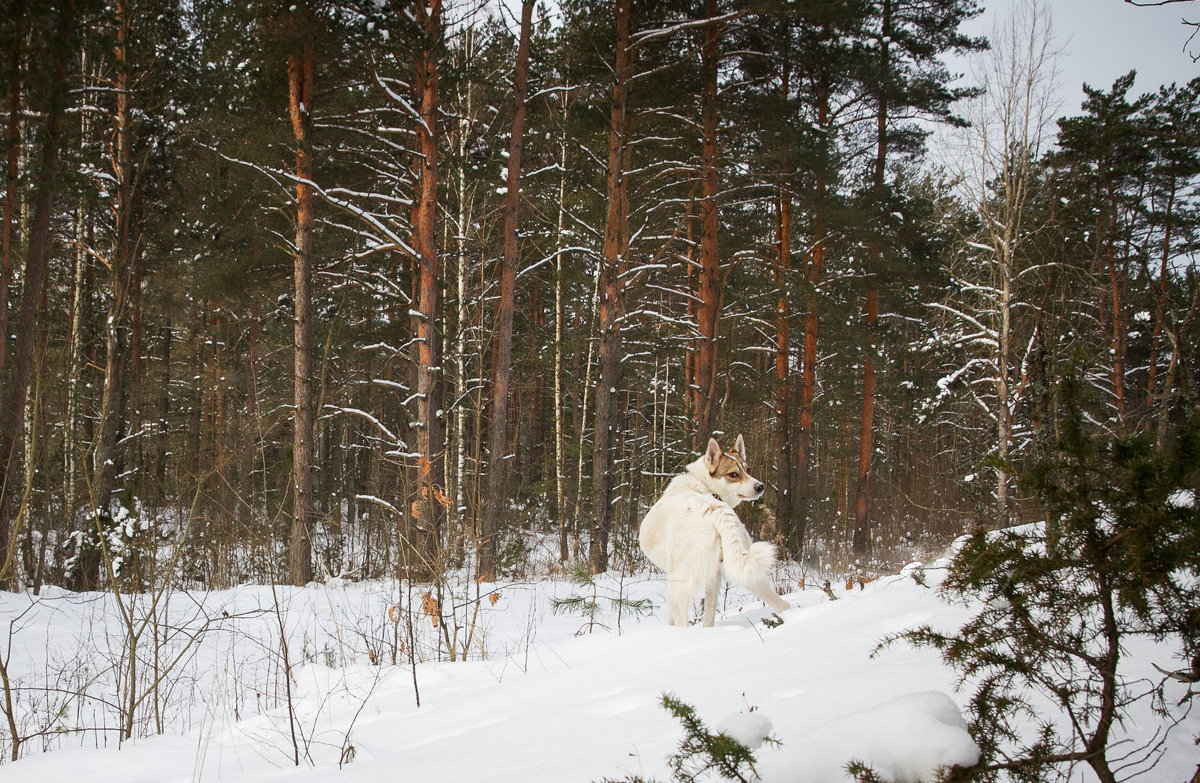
<point>545,705</point>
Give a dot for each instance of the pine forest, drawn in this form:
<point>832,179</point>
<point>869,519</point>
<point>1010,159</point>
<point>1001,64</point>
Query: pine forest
<point>385,288</point>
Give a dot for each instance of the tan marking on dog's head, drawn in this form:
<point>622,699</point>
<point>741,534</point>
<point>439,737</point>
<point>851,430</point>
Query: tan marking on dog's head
<point>731,480</point>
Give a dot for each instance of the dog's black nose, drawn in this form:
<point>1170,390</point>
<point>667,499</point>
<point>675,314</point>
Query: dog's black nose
<point>759,486</point>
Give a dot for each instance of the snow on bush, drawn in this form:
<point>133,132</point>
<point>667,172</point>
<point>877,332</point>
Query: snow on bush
<point>748,728</point>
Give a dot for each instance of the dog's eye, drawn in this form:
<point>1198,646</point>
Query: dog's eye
<point>734,475</point>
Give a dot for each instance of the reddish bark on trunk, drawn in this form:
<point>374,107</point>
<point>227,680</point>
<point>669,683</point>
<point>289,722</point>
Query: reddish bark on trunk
<point>862,502</point>
<point>783,388</point>
<point>300,78</point>
<point>709,307</point>
<point>431,433</point>
<point>112,402</point>
<point>611,305</point>
<point>1160,296</point>
<point>808,373</point>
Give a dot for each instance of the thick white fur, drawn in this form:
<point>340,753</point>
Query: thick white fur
<point>693,534</point>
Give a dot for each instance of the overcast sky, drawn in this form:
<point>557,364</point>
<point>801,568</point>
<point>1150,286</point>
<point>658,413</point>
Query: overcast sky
<point>1103,39</point>
<point>1100,40</point>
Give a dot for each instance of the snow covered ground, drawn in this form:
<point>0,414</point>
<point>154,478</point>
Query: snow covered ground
<point>535,702</point>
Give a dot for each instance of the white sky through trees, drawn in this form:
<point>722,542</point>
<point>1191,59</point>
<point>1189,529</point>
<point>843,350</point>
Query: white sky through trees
<point>1104,39</point>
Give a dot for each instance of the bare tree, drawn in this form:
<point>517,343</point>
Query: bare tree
<point>1012,122</point>
<point>1193,23</point>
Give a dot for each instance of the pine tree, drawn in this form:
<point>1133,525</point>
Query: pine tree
<point>301,72</point>
<point>805,70</point>
<point>494,513</point>
<point>59,44</point>
<point>909,78</point>
<point>708,289</point>
<point>612,298</point>
<point>1104,151</point>
<point>1062,599</point>
<point>1173,215</point>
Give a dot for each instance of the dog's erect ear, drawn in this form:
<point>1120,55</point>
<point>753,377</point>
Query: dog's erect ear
<point>739,448</point>
<point>713,455</point>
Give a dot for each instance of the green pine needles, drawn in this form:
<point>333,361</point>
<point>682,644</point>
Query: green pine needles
<point>1116,556</point>
<point>587,602</point>
<point>701,751</point>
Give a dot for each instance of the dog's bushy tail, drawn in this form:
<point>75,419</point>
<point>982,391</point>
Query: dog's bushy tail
<point>744,562</point>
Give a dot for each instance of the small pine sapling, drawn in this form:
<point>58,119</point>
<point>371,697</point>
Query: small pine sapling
<point>701,751</point>
<point>863,773</point>
<point>587,604</point>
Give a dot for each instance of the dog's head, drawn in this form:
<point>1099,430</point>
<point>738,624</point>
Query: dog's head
<point>728,477</point>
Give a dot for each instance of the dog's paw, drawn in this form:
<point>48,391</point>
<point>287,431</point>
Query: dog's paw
<point>774,621</point>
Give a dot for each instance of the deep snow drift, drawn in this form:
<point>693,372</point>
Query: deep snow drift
<point>543,705</point>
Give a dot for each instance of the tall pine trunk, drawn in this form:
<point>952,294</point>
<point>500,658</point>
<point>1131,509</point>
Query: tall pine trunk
<point>815,268</point>
<point>1160,297</point>
<point>17,389</point>
<point>709,290</point>
<point>493,515</point>
<point>431,437</point>
<point>862,500</point>
<point>1116,288</point>
<point>300,80</point>
<point>560,457</point>
<point>116,332</point>
<point>75,354</point>
<point>808,373</point>
<point>11,171</point>
<point>785,497</point>
<point>611,299</point>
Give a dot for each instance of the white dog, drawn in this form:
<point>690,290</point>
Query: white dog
<point>692,533</point>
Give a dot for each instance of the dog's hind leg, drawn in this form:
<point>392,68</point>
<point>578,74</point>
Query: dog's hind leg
<point>712,589</point>
<point>679,599</point>
<point>762,588</point>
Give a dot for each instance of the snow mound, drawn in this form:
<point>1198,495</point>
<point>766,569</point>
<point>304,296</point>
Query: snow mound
<point>905,740</point>
<point>909,738</point>
<point>749,728</point>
